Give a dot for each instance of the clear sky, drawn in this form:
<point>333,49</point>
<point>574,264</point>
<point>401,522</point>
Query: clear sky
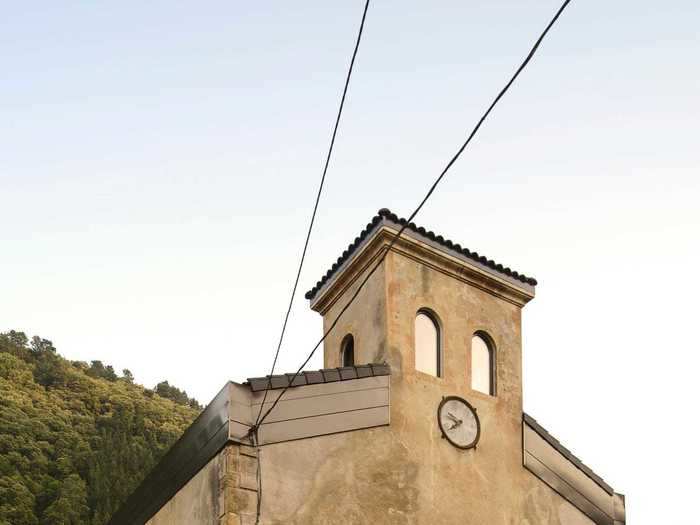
<point>158,162</point>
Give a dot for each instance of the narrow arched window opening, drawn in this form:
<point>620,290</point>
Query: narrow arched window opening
<point>483,365</point>
<point>427,343</point>
<point>347,351</point>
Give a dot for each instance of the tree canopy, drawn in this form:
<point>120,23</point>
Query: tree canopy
<point>76,438</point>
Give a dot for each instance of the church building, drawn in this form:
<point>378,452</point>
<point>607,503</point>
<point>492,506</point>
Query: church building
<point>416,418</point>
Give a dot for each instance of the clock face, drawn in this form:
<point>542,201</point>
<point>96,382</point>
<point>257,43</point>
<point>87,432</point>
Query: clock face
<point>458,422</point>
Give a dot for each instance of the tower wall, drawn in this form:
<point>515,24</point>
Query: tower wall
<point>421,478</point>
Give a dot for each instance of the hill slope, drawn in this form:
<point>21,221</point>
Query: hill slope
<point>76,439</point>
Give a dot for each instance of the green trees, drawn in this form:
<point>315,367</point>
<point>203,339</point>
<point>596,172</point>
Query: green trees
<point>16,502</point>
<point>76,439</point>
<point>168,391</point>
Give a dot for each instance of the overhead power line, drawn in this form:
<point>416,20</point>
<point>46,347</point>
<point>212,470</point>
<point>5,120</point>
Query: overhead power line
<point>420,206</point>
<point>318,198</point>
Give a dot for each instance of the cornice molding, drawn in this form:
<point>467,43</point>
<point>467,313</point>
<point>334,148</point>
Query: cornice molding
<point>425,252</point>
<point>385,216</point>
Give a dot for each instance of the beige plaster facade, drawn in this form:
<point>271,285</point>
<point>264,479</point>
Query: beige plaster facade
<point>224,492</point>
<point>405,472</point>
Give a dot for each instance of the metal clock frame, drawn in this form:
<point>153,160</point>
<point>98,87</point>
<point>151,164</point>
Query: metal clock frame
<point>474,443</point>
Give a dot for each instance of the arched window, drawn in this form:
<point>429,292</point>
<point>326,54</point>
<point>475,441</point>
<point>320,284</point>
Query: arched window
<point>427,343</point>
<point>483,364</point>
<point>347,351</point>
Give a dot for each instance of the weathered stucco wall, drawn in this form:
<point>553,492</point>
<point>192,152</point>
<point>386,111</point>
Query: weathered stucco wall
<point>196,503</point>
<point>365,319</point>
<point>371,476</point>
<point>406,473</point>
<point>224,492</point>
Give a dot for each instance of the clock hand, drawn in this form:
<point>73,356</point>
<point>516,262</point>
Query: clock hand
<point>453,418</point>
<point>459,422</point>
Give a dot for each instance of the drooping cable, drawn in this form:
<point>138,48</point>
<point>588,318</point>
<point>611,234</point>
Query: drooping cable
<point>318,198</point>
<point>258,476</point>
<point>420,206</point>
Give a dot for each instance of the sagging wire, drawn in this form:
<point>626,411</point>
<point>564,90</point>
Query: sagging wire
<point>318,198</point>
<point>253,432</point>
<point>454,158</point>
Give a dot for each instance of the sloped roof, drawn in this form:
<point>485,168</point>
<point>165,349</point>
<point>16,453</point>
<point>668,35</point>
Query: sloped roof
<point>554,442</point>
<point>326,375</point>
<point>386,216</point>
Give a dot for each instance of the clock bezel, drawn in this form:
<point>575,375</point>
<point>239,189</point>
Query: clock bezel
<point>471,445</point>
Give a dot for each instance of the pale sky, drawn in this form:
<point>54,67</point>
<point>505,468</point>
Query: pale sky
<point>158,162</point>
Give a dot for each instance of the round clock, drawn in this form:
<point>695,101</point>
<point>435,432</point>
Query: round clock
<point>458,422</point>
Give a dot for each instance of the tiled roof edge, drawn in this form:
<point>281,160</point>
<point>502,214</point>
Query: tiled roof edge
<point>385,213</point>
<point>554,442</point>
<point>325,375</point>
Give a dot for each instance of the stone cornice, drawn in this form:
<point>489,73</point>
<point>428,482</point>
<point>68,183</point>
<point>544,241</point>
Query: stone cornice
<point>424,251</point>
<point>384,217</point>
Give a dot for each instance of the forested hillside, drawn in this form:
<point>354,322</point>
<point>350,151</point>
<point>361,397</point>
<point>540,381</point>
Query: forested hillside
<point>76,438</point>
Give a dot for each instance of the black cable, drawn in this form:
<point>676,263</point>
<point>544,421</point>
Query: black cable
<point>422,203</point>
<point>258,477</point>
<point>318,198</point>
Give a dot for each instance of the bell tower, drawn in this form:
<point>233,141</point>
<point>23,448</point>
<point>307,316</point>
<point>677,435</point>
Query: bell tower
<point>473,349</point>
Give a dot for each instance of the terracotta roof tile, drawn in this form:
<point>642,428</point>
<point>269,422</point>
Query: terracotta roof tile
<point>327,375</point>
<point>386,215</point>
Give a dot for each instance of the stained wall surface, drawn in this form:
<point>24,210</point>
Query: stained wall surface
<point>197,503</point>
<point>372,476</point>
<point>224,492</point>
<point>365,319</point>
<point>406,473</point>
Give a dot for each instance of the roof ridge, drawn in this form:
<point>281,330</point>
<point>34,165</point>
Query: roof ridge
<point>386,213</point>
